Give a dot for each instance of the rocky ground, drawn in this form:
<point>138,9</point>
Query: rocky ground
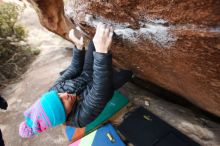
<point>41,74</point>
<point>44,71</point>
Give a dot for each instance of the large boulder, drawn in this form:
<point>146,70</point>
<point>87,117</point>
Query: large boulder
<point>174,44</point>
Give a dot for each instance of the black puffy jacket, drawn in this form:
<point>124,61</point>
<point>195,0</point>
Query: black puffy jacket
<point>94,92</point>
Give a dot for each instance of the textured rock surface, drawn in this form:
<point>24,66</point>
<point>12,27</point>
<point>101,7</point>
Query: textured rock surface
<point>174,44</point>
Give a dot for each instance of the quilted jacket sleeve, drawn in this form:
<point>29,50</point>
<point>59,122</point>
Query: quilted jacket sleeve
<point>75,67</point>
<point>98,95</point>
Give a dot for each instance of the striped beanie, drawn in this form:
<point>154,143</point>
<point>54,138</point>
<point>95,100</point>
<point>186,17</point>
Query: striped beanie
<point>48,111</point>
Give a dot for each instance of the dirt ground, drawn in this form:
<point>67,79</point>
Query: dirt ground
<point>39,77</point>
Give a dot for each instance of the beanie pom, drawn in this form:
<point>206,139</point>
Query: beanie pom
<point>25,131</point>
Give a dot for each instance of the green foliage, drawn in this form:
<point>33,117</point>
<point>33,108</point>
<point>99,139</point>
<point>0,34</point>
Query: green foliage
<point>14,55</point>
<point>8,16</point>
<point>19,32</point>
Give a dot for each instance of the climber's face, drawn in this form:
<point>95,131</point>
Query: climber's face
<point>68,101</point>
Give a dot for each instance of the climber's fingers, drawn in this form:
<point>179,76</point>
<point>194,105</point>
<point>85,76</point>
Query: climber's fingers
<point>111,31</point>
<point>107,30</point>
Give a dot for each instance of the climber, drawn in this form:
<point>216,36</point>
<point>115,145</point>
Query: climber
<point>83,89</point>
<point>1,139</point>
<point>3,103</point>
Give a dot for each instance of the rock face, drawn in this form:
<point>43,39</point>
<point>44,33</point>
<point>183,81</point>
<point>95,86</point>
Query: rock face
<point>174,44</point>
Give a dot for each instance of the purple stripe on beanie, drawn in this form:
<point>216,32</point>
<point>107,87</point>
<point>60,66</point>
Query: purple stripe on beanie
<point>38,121</point>
<point>45,117</point>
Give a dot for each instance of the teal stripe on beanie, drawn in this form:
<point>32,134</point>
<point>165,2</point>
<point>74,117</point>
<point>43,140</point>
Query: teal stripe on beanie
<point>53,108</point>
<point>29,122</point>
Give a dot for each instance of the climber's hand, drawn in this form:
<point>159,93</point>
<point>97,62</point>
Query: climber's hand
<point>78,42</point>
<point>103,38</point>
